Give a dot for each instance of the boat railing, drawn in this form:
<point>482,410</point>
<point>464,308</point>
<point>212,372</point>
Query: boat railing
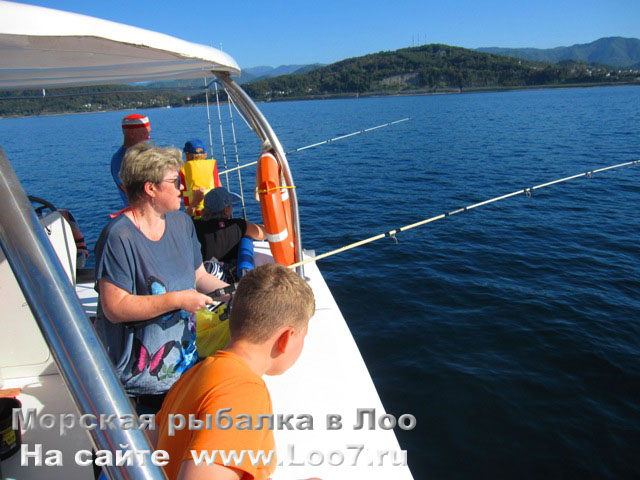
<point>266,134</point>
<point>78,353</point>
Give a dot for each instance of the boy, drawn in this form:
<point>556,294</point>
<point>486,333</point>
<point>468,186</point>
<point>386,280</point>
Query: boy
<point>271,310</point>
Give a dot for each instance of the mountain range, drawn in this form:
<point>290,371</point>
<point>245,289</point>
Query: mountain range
<point>614,51</point>
<point>434,68</point>
<point>617,52</point>
<point>257,73</point>
<point>247,75</point>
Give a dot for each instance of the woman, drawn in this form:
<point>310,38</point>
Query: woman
<point>149,275</point>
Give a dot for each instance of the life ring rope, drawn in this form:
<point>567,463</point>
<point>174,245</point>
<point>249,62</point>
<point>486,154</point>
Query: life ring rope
<point>275,188</point>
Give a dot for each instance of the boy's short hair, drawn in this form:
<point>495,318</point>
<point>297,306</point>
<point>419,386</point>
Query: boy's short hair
<point>211,215</point>
<point>144,162</point>
<point>268,298</point>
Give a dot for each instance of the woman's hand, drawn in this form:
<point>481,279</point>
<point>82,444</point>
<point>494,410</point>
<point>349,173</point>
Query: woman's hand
<point>121,306</point>
<point>192,301</point>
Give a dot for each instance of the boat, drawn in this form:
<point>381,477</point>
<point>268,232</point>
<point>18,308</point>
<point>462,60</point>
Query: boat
<point>48,348</point>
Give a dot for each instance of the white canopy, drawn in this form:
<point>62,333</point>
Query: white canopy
<point>42,47</point>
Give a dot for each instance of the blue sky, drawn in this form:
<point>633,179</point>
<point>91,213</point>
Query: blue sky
<point>279,32</point>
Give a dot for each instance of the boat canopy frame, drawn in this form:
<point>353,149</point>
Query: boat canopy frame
<point>44,48</point>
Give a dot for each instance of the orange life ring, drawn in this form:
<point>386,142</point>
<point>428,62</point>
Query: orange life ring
<point>276,209</point>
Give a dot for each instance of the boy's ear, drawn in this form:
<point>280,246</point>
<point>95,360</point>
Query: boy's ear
<point>283,340</point>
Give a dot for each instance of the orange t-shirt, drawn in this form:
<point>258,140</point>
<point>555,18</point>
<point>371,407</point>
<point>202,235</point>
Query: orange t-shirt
<point>219,382</point>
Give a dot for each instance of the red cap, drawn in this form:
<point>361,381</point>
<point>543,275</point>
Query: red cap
<point>135,120</point>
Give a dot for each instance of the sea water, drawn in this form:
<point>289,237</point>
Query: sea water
<point>511,332</point>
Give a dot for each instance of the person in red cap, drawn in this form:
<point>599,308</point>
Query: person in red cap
<point>136,128</point>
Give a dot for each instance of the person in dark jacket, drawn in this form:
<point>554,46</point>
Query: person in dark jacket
<point>219,233</point>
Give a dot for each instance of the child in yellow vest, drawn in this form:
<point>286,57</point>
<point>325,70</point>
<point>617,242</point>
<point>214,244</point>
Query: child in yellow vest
<point>199,174</point>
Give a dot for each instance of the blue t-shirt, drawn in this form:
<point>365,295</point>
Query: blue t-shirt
<point>149,356</point>
<point>116,163</point>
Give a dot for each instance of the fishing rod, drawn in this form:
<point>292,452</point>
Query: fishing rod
<point>392,233</point>
<point>341,137</point>
<point>349,135</point>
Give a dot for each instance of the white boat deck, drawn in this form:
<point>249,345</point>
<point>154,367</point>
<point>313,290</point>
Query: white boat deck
<point>330,377</point>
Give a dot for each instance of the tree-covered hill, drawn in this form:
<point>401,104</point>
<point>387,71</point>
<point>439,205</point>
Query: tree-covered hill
<point>428,67</point>
<point>87,99</point>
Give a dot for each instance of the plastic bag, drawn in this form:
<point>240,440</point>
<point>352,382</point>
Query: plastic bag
<point>212,330</point>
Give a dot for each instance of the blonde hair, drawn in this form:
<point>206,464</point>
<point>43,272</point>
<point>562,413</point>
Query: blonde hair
<point>195,156</point>
<point>268,298</point>
<point>144,163</point>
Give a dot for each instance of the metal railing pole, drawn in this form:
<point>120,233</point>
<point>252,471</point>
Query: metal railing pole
<point>265,132</point>
<point>80,356</point>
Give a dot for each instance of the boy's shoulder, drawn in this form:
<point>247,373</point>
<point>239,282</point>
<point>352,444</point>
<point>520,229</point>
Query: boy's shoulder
<point>219,374</point>
<point>227,366</point>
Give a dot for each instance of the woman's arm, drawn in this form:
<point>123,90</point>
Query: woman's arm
<point>121,306</point>
<point>207,283</point>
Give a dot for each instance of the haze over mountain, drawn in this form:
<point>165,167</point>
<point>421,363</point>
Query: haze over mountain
<point>614,51</point>
<point>267,71</point>
<point>250,74</point>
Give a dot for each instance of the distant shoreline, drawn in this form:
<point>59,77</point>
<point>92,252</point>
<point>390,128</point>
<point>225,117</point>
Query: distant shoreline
<point>376,94</point>
<point>449,91</point>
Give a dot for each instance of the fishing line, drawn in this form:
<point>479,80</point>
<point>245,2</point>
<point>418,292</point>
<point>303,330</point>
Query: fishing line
<point>206,96</point>
<point>392,233</point>
<point>235,146</point>
<point>235,107</point>
<point>325,142</point>
<point>224,153</point>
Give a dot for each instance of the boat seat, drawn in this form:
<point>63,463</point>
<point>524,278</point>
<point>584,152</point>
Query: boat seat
<point>23,351</point>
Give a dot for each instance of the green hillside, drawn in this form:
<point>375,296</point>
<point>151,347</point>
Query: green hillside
<point>429,68</point>
<point>87,99</point>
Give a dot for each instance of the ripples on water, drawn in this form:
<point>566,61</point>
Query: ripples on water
<point>512,331</point>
